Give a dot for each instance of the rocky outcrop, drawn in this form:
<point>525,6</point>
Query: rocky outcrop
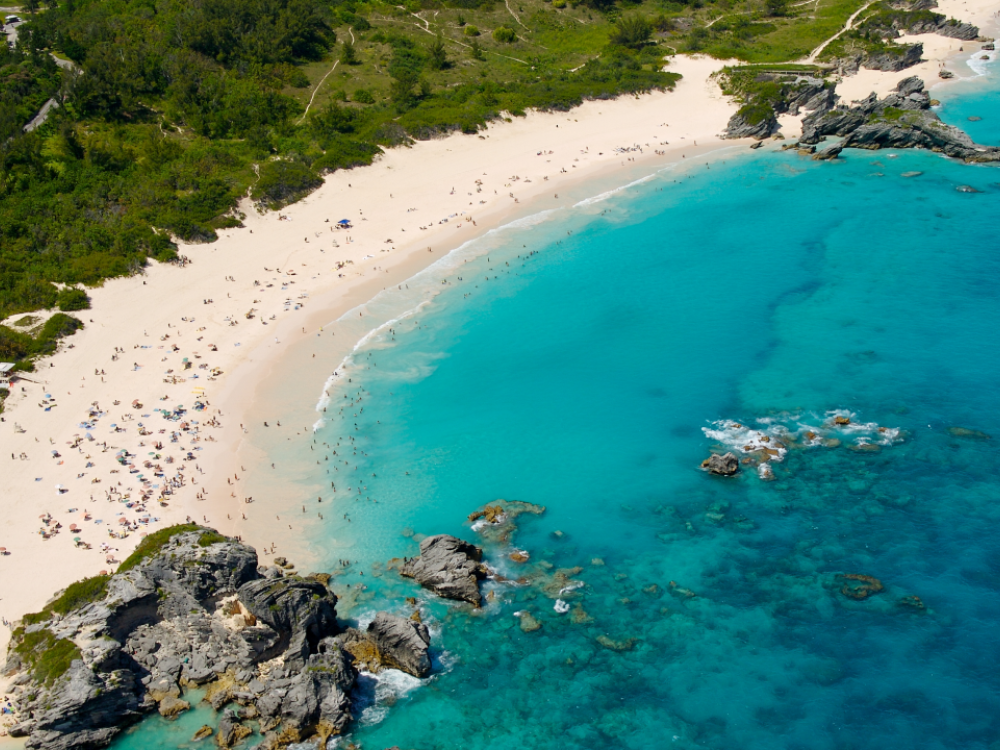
<point>757,118</point>
<point>829,153</point>
<point>901,120</point>
<point>899,58</point>
<point>741,126</point>
<point>194,608</point>
<point>726,465</point>
<point>449,567</point>
<point>390,642</point>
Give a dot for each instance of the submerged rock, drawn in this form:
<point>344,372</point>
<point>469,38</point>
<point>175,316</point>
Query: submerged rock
<point>205,731</point>
<point>858,586</point>
<point>528,622</point>
<point>725,465</point>
<point>965,432</point>
<point>626,644</point>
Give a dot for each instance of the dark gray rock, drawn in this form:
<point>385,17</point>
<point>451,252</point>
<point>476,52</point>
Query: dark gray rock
<point>726,465</point>
<point>84,710</point>
<point>390,642</point>
<point>740,127</point>
<point>903,119</point>
<point>449,567</point>
<point>304,610</point>
<point>829,153</point>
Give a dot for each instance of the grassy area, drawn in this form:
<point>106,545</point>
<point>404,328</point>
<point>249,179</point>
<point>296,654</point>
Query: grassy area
<point>46,656</point>
<point>75,596</point>
<point>153,543</point>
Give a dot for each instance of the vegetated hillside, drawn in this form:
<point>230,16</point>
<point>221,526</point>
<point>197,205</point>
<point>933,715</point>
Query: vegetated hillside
<point>174,106</point>
<point>173,103</point>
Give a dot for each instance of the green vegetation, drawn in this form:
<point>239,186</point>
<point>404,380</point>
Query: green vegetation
<point>71,299</point>
<point>20,347</point>
<point>170,109</point>
<point>153,543</point>
<point>46,656</point>
<point>173,110</point>
<point>75,596</point>
<point>208,538</point>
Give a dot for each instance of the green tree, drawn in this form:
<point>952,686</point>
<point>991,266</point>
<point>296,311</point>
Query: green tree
<point>777,7</point>
<point>475,50</point>
<point>438,54</point>
<point>631,30</point>
<point>348,55</point>
<point>504,35</point>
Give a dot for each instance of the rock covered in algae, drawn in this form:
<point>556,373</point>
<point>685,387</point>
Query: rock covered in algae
<point>205,731</point>
<point>725,465</point>
<point>858,586</point>
<point>625,644</point>
<point>965,432</point>
<point>496,522</point>
<point>449,567</point>
<point>528,622</point>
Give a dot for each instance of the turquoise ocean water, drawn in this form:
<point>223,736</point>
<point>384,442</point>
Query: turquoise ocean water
<point>589,359</point>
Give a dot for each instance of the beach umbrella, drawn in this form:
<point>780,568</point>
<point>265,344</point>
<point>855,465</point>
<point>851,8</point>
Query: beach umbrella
<point>3,550</point>
<point>76,539</point>
<point>122,520</point>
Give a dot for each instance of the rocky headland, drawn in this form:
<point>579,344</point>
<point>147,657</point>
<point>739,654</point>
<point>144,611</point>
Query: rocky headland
<point>193,608</point>
<point>903,119</point>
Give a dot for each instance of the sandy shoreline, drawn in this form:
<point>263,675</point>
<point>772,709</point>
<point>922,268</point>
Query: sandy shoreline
<point>294,273</point>
<point>297,275</point>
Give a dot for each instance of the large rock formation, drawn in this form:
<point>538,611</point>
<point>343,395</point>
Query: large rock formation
<point>390,643</point>
<point>449,567</point>
<point>901,120</point>
<point>193,608</point>
<point>758,119</point>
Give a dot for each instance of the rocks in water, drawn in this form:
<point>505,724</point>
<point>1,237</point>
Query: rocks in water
<point>205,731</point>
<point>829,153</point>
<point>974,118</point>
<point>858,586</point>
<point>390,642</point>
<point>989,46</point>
<point>171,707</point>
<point>901,120</point>
<point>725,465</point>
<point>449,567</point>
<point>496,522</point>
<point>911,174</point>
<point>912,602</point>
<point>946,74</point>
<point>841,420</point>
<point>528,622</point>
<point>756,145</point>
<point>231,731</point>
<point>626,644</point>
<point>965,432</point>
<point>194,608</point>
<point>966,189</point>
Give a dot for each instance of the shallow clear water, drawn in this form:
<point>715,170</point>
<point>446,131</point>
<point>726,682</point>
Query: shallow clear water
<point>589,361</point>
